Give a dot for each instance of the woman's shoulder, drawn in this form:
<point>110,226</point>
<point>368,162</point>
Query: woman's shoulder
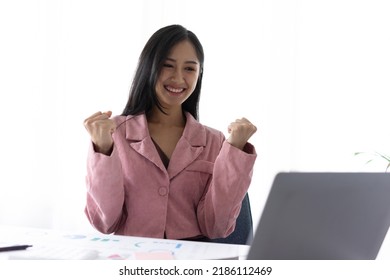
<point>197,126</point>
<point>130,122</point>
<point>121,119</point>
<point>212,131</point>
<point>213,134</point>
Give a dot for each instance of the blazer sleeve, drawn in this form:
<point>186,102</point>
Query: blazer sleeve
<point>221,203</point>
<point>105,191</point>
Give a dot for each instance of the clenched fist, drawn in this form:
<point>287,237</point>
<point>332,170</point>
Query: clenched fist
<point>240,132</point>
<point>101,127</point>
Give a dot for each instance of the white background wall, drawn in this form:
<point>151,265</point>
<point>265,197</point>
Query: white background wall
<point>312,75</point>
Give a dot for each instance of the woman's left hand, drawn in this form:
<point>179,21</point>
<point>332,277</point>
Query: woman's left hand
<point>240,132</point>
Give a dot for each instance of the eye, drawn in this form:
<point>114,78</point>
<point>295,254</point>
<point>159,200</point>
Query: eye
<point>168,65</point>
<point>190,69</point>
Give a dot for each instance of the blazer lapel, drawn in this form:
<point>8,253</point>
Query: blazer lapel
<point>189,147</point>
<point>138,135</point>
<point>147,149</point>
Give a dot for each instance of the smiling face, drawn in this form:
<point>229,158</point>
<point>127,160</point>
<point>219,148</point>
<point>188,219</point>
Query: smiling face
<point>178,76</point>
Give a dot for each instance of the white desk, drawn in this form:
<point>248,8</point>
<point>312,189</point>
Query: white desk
<point>126,247</point>
<point>116,246</point>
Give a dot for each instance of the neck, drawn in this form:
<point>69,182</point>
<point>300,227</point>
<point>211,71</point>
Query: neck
<point>171,118</point>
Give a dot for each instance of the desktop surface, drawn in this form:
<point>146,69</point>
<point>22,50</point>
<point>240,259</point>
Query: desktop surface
<point>55,244</point>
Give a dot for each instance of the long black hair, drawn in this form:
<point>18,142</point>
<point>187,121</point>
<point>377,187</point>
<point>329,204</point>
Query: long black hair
<point>142,97</point>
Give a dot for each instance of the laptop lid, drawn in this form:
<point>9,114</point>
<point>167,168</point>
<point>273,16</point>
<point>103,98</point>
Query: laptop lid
<point>324,216</point>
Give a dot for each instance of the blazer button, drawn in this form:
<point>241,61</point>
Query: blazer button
<point>162,191</point>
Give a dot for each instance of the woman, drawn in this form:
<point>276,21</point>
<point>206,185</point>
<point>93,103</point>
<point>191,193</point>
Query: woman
<point>155,171</point>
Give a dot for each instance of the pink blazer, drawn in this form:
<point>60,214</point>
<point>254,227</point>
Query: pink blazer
<point>130,192</point>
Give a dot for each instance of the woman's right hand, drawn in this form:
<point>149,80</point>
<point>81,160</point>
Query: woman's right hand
<point>101,127</point>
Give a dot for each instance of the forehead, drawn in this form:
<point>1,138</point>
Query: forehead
<point>183,50</point>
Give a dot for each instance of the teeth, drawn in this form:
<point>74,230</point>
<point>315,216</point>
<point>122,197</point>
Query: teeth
<point>174,90</point>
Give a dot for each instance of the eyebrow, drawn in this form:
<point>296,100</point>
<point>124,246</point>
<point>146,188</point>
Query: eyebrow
<point>188,61</point>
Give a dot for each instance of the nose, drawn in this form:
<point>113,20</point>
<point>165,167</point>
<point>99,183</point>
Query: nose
<point>177,76</point>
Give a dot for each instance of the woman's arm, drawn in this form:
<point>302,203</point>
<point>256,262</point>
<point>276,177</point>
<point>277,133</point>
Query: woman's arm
<point>221,203</point>
<point>105,191</point>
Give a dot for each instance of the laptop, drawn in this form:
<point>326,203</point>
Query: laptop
<point>323,216</point>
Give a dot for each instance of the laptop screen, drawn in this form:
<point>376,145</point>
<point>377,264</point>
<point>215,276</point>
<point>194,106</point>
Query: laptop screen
<point>324,216</point>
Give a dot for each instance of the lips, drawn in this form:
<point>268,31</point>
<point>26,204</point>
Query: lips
<point>174,90</point>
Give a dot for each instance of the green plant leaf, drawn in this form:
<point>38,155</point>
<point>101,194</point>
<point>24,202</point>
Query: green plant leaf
<point>376,155</point>
<point>387,158</point>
